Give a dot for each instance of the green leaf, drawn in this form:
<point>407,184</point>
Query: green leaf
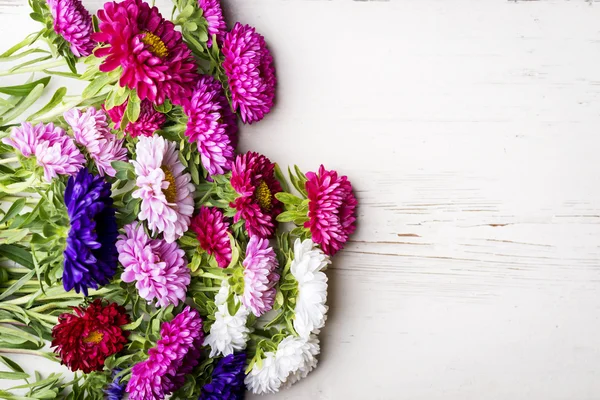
<point>16,68</point>
<point>22,54</point>
<point>17,254</point>
<point>288,216</point>
<point>25,42</point>
<point>13,375</point>
<point>96,85</point>
<point>24,104</point>
<point>54,101</point>
<point>133,107</point>
<point>132,326</point>
<point>165,107</point>
<point>25,89</point>
<point>14,210</point>
<point>122,166</point>
<point>11,364</point>
<point>287,198</point>
<point>17,285</point>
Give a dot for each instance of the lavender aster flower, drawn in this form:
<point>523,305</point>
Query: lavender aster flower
<point>74,23</point>
<point>227,379</point>
<point>115,390</point>
<point>213,14</point>
<point>90,255</point>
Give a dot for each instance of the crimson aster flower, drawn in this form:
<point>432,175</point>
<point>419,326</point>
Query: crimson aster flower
<point>212,12</point>
<point>155,60</point>
<point>73,22</point>
<point>253,178</point>
<point>250,72</point>
<point>260,277</point>
<point>85,338</point>
<point>212,232</point>
<point>331,209</point>
<point>148,122</point>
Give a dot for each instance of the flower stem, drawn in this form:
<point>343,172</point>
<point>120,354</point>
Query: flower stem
<point>23,351</point>
<point>213,276</point>
<point>35,68</point>
<point>9,160</point>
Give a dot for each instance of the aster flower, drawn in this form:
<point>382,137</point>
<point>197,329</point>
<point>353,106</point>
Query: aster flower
<point>148,122</point>
<point>331,209</point>
<point>74,23</point>
<point>250,72</point>
<point>228,333</point>
<point>54,151</point>
<point>260,277</point>
<point>264,377</point>
<point>253,178</point>
<point>213,14</point>
<point>296,357</point>
<point>115,390</point>
<point>90,130</point>
<point>212,125</point>
<point>227,379</point>
<point>165,190</point>
<point>84,339</point>
<point>158,268</point>
<point>176,353</point>
<point>90,254</point>
<point>155,60</point>
<point>212,231</point>
<point>307,266</point>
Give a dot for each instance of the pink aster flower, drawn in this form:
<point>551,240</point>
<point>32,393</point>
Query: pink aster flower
<point>260,277</point>
<point>165,189</point>
<point>158,268</point>
<point>212,232</point>
<point>148,122</point>
<point>74,23</point>
<point>176,354</point>
<point>253,178</point>
<point>213,14</point>
<point>250,72</point>
<point>212,125</point>
<point>155,60</point>
<point>53,149</point>
<point>90,130</point>
<point>331,209</point>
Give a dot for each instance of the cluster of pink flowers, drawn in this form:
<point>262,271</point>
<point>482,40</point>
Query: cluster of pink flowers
<point>148,122</point>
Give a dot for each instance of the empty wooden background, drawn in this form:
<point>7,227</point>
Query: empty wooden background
<point>471,132</point>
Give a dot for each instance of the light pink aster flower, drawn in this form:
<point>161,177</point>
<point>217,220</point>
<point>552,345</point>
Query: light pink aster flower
<point>260,277</point>
<point>90,129</point>
<point>212,232</point>
<point>163,186</point>
<point>213,14</point>
<point>54,150</point>
<point>158,268</point>
<point>250,72</point>
<point>74,23</point>
<point>148,122</point>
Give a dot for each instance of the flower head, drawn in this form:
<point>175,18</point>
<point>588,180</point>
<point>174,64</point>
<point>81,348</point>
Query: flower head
<point>212,125</point>
<point>296,357</point>
<point>90,129</point>
<point>158,268</point>
<point>264,377</point>
<point>253,178</point>
<point>212,231</point>
<point>155,60</point>
<point>85,338</point>
<point>90,254</point>
<point>331,209</point>
<point>250,72</point>
<point>148,122</point>
<point>74,23</point>
<point>115,390</point>
<point>213,14</point>
<point>227,379</point>
<point>165,189</point>
<point>55,152</point>
<point>260,277</point>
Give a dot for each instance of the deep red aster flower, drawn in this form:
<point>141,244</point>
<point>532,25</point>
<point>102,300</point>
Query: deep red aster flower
<point>84,339</point>
<point>154,59</point>
<point>253,178</point>
<point>331,209</point>
<point>148,122</point>
<point>212,231</point>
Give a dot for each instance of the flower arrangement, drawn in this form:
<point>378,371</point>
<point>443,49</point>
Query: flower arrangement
<point>153,259</point>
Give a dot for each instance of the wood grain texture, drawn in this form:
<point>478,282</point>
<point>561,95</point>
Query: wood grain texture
<point>470,130</point>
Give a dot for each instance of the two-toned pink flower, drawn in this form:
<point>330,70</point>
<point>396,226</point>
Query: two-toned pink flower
<point>260,276</point>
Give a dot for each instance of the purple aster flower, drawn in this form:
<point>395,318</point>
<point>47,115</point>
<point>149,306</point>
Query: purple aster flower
<point>115,390</point>
<point>212,125</point>
<point>250,72</point>
<point>148,122</point>
<point>227,379</point>
<point>90,257</point>
<point>260,277</point>
<point>213,14</point>
<point>74,23</point>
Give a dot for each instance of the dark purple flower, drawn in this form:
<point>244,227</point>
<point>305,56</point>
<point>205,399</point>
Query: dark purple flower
<point>115,390</point>
<point>227,379</point>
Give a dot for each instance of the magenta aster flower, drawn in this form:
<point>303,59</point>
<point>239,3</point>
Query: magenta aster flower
<point>154,59</point>
<point>212,125</point>
<point>212,231</point>
<point>331,209</point>
<point>213,14</point>
<point>74,23</point>
<point>148,122</point>
<point>253,178</point>
<point>54,151</point>
<point>260,277</point>
<point>250,72</point>
<point>158,268</point>
<point>90,130</point>
<point>176,353</point>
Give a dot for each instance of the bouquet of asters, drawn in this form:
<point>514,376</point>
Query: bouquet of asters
<point>137,248</point>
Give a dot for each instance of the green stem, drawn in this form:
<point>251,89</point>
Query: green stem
<point>9,160</point>
<point>213,276</point>
<point>23,351</point>
<point>48,318</point>
<point>207,194</point>
<point>35,68</point>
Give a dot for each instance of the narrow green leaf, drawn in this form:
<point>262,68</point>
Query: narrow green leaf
<point>133,107</point>
<point>13,375</point>
<point>54,101</point>
<point>24,104</point>
<point>17,285</point>
<point>29,62</point>
<point>25,42</point>
<point>22,54</point>
<point>14,210</point>
<point>132,326</point>
<point>25,89</point>
<point>17,254</point>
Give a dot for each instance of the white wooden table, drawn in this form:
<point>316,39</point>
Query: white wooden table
<point>471,132</point>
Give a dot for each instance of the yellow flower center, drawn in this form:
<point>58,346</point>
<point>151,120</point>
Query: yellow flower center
<point>94,337</point>
<point>155,45</point>
<point>170,192</point>
<point>263,196</point>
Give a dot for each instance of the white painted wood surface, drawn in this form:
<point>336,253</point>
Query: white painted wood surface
<point>470,130</point>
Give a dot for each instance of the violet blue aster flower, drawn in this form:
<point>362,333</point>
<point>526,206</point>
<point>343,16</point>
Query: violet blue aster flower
<point>115,390</point>
<point>227,379</point>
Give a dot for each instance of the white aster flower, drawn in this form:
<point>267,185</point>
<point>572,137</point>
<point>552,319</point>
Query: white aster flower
<point>307,266</point>
<point>264,378</point>
<point>228,333</point>
<point>296,357</point>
